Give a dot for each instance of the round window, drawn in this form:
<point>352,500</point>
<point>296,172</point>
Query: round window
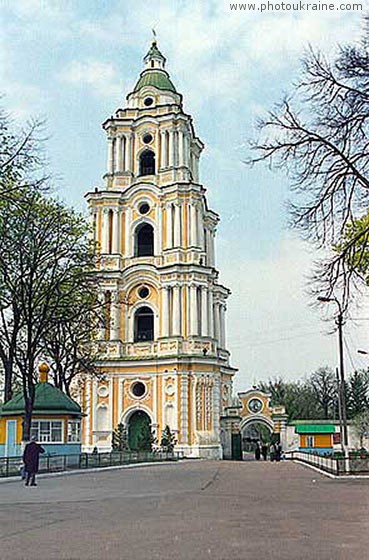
<point>143,292</point>
<point>147,139</point>
<point>255,405</point>
<point>148,101</point>
<point>138,389</point>
<point>144,208</point>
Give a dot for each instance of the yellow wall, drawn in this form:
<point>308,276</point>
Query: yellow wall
<point>320,440</point>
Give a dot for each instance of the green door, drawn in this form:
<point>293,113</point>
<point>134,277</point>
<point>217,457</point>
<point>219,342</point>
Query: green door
<point>236,447</point>
<point>139,424</point>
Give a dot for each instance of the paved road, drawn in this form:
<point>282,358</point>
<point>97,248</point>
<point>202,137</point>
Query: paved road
<point>193,511</point>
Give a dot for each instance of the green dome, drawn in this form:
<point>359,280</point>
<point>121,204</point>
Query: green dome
<point>156,78</point>
<point>48,400</point>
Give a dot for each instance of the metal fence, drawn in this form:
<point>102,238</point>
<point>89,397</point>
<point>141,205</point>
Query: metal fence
<point>353,464</point>
<point>11,466</point>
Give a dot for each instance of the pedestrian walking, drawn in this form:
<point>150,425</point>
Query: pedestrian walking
<point>257,451</point>
<point>278,451</point>
<point>272,452</point>
<point>264,451</point>
<point>31,456</point>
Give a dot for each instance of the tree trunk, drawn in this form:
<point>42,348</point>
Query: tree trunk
<point>27,420</point>
<point>8,391</point>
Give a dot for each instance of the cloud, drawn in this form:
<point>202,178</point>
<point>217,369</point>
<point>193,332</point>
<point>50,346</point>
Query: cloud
<point>101,77</point>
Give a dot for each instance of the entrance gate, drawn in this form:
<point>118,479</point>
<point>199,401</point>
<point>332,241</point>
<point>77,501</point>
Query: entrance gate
<point>139,429</point>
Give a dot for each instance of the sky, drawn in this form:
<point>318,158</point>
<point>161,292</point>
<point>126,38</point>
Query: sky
<point>73,63</point>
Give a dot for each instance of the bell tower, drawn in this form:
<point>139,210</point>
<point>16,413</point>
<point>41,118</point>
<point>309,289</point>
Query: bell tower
<point>162,347</point>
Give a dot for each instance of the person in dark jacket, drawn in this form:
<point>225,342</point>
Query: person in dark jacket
<point>257,451</point>
<point>31,456</point>
<point>264,451</point>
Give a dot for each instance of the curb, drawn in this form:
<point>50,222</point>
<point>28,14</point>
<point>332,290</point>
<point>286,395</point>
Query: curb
<point>92,470</point>
<point>330,475</point>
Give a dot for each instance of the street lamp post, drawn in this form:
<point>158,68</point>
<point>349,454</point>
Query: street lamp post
<point>341,367</point>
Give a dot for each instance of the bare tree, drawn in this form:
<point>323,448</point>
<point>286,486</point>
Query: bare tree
<point>320,136</point>
<point>324,385</point>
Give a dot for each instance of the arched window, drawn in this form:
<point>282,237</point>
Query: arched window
<point>144,240</point>
<point>147,163</point>
<point>144,324</point>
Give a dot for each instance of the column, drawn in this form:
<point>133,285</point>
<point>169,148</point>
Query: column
<point>123,152</point>
<point>196,168</point>
<point>212,247</point>
<point>176,311</point>
<point>171,149</point>
<point>118,154</point>
<point>128,152</point>
<point>115,315</point>
<point>193,225</point>
<point>105,231</point>
<point>110,161</point>
<point>200,230</point>
<point>217,323</point>
<point>128,232</point>
<point>186,149</point>
<point>159,231</point>
<point>204,311</point>
<point>211,314</point>
<point>165,310</point>
<point>193,311</point>
<point>101,313</point>
<point>180,148</point>
<point>169,242</point>
<point>177,225</point>
<point>222,325</point>
<point>116,231</point>
<point>163,149</point>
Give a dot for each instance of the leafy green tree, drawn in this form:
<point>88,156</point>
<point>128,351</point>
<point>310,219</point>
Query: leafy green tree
<point>45,257</point>
<point>357,393</point>
<point>168,440</point>
<point>120,438</point>
<point>146,439</point>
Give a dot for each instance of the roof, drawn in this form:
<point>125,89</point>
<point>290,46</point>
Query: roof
<point>156,78</point>
<point>315,429</point>
<point>154,51</point>
<point>48,400</point>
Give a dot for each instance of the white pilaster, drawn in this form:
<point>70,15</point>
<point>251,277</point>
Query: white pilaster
<point>200,229</point>
<point>193,311</point>
<point>217,323</point>
<point>118,154</point>
<point>180,148</point>
<point>163,149</point>
<point>193,225</point>
<point>165,310</point>
<point>171,149</point>
<point>115,315</point>
<point>101,329</point>
<point>158,239</point>
<point>128,232</point>
<point>211,314</point>
<point>110,160</point>
<point>222,309</point>
<point>204,311</point>
<point>105,231</point>
<point>169,227</point>
<point>116,231</point>
<point>177,225</point>
<point>176,311</point>
<point>127,156</point>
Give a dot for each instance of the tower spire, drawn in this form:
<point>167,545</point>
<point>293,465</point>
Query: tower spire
<point>154,59</point>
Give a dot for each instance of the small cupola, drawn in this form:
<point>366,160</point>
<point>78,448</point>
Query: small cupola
<point>154,59</point>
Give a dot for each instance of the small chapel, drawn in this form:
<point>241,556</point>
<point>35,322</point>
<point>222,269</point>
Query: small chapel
<point>162,350</point>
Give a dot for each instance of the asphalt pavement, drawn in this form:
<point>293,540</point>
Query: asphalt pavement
<point>194,510</point>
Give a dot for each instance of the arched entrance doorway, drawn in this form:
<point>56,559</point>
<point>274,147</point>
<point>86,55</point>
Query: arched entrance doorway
<point>254,430</point>
<point>139,431</point>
